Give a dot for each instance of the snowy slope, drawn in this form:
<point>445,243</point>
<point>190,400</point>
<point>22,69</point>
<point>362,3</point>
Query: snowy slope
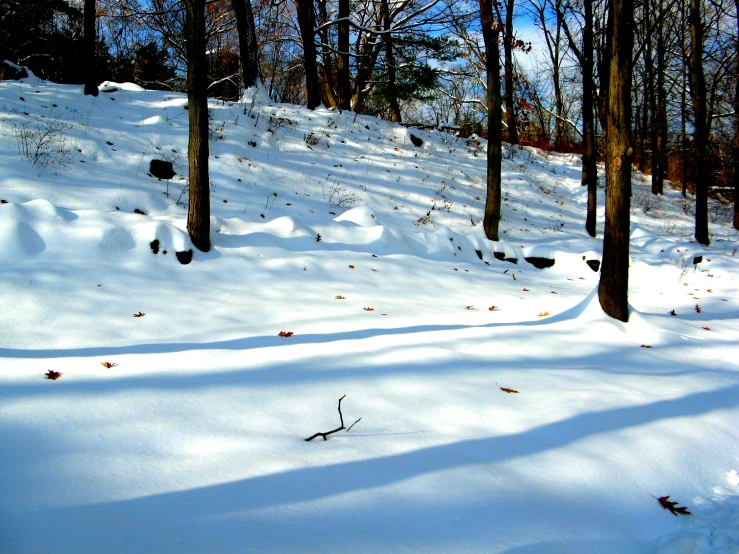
<point>194,440</point>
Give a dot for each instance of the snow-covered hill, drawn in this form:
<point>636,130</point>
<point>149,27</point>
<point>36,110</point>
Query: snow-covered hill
<point>369,249</point>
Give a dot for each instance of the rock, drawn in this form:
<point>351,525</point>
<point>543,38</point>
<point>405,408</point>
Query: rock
<point>501,256</point>
<point>540,263</point>
<point>108,88</point>
<point>416,141</point>
<point>594,265</point>
<point>184,257</point>
<point>697,260</point>
<point>154,246</point>
<point>11,72</point>
<point>140,212</point>
<point>479,253</point>
<point>161,169</point>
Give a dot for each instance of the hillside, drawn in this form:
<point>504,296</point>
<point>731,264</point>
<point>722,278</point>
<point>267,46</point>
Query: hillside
<point>368,251</point>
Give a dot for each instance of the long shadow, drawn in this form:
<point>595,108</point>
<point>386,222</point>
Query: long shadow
<point>248,343</point>
<point>193,510</point>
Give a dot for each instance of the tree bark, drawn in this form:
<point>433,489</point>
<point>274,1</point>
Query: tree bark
<point>589,155</point>
<point>392,91</point>
<point>198,216</point>
<point>343,86</point>
<point>248,48</point>
<point>91,83</point>
<point>490,32</point>
<point>614,274</point>
<point>508,55</point>
<point>329,76</point>
<point>659,160</point>
<point>306,22</point>
<point>736,127</point>
<point>700,136</point>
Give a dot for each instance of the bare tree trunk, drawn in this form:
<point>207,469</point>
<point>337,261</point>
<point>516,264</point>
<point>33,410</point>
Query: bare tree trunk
<point>508,54</point>
<point>329,78</point>
<point>589,167</point>
<point>700,137</point>
<point>306,22</point>
<point>558,103</point>
<point>91,83</point>
<point>736,127</point>
<point>343,87</point>
<point>490,33</point>
<point>614,274</point>
<point>198,216</point>
<point>392,91</point>
<point>248,48</point>
<point>660,145</point>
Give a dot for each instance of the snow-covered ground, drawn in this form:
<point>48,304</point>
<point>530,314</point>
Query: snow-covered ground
<point>193,439</point>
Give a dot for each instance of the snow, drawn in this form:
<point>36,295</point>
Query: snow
<point>194,440</point>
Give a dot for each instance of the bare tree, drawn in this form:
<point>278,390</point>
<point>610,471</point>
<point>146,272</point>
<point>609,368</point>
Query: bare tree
<point>491,29</point>
<point>91,84</point>
<point>248,49</point>
<point>198,216</point>
<point>614,274</point>
<point>700,136</point>
<point>306,22</point>
<point>508,78</point>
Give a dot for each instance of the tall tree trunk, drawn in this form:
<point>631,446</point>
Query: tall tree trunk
<point>614,274</point>
<point>392,91</point>
<point>306,22</point>
<point>248,47</point>
<point>343,87</point>
<point>661,144</point>
<point>490,33</point>
<point>198,215</point>
<point>329,76</point>
<point>700,137</point>
<point>508,54</point>
<point>736,127</point>
<point>589,155</point>
<point>558,103</point>
<point>91,78</point>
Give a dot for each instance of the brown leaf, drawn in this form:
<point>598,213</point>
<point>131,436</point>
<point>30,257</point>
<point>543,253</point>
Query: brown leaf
<point>140,314</point>
<point>368,309</point>
<point>645,346</point>
<point>506,389</point>
<point>108,364</point>
<point>525,289</point>
<point>672,312</point>
<point>543,314</point>
<point>492,308</point>
<point>339,297</point>
<point>351,267</point>
<point>285,334</point>
<point>698,308</point>
<point>53,375</point>
<point>672,506</point>
<point>470,307</point>
<point>707,328</point>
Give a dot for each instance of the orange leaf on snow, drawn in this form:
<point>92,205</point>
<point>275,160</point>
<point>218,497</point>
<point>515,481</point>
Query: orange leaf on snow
<point>351,267</point>
<point>53,375</point>
<point>140,314</point>
<point>339,297</point>
<point>506,389</point>
<point>525,289</point>
<point>492,308</point>
<point>368,309</point>
<point>542,314</point>
<point>707,328</point>
<point>285,334</point>
<point>672,506</point>
<point>108,364</point>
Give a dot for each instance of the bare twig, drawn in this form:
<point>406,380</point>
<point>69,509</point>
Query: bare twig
<point>327,433</point>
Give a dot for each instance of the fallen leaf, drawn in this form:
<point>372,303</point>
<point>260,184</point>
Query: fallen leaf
<point>470,307</point>
<point>506,389</point>
<point>525,290</point>
<point>53,375</point>
<point>140,314</point>
<point>698,308</point>
<point>492,308</point>
<point>707,328</point>
<point>368,309</point>
<point>339,297</point>
<point>542,314</point>
<point>285,334</point>
<point>351,267</point>
<point>672,312</point>
<point>645,346</point>
<point>108,364</point>
<point>672,506</point>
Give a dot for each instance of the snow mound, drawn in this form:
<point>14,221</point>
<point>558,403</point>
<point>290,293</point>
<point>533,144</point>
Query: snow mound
<point>362,216</point>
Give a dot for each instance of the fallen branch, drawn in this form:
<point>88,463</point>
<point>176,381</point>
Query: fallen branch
<point>341,418</point>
